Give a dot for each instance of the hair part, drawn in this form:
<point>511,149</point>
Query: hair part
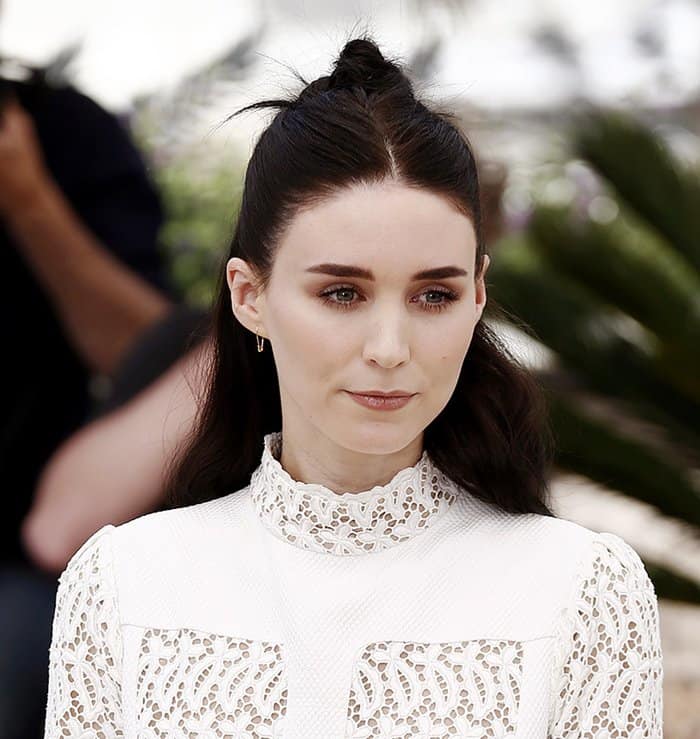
<point>361,124</point>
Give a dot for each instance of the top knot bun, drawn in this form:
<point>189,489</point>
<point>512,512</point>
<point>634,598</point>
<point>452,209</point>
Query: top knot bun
<point>361,64</point>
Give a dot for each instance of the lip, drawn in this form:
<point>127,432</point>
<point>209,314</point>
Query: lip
<point>382,394</point>
<point>381,402</point>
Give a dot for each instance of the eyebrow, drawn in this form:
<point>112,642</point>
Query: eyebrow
<point>348,270</point>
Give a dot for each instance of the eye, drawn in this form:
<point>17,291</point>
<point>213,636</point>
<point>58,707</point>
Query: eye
<point>342,304</point>
<point>447,297</point>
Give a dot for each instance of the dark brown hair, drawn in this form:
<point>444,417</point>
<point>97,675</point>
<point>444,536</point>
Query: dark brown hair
<point>360,124</point>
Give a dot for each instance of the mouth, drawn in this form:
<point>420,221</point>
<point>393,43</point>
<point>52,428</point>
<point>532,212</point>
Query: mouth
<point>381,401</point>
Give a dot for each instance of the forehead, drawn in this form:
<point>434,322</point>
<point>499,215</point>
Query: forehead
<point>394,226</point>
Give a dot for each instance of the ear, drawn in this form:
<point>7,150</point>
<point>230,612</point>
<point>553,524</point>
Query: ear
<point>247,302</point>
<point>481,287</point>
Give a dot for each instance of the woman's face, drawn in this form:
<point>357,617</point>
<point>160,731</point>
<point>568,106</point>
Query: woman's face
<point>380,329</point>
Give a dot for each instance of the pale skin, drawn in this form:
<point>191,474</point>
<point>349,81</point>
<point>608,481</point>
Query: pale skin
<point>102,305</point>
<point>388,339</point>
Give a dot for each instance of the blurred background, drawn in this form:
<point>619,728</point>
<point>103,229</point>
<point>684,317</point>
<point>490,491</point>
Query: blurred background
<point>586,119</point>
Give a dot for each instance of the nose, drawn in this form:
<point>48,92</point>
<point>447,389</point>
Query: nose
<point>387,341</point>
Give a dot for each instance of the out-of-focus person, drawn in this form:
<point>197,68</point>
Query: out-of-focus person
<point>83,279</point>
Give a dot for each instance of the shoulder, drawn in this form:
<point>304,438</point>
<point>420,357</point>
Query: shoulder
<point>577,560</point>
<point>173,524</point>
<point>138,571</point>
<point>531,536</point>
<point>161,536</point>
<point>597,559</point>
<point>87,584</point>
<point>612,565</point>
<point>92,558</point>
<point>527,553</point>
<point>610,583</point>
<point>585,548</point>
<point>173,539</point>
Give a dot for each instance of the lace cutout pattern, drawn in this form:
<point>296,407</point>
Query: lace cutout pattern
<point>610,664</point>
<point>192,684</point>
<point>84,695</point>
<point>469,690</point>
<point>316,518</point>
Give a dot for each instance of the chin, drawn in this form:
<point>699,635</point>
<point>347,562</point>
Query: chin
<point>377,438</point>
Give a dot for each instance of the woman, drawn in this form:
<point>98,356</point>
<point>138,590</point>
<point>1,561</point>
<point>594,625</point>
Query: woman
<point>393,568</point>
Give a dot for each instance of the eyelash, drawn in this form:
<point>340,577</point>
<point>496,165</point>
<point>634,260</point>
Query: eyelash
<point>449,296</point>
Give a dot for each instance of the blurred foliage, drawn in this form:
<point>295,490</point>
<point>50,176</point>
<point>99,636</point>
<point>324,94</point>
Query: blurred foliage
<point>645,174</point>
<point>611,284</point>
<point>200,181</point>
<point>201,209</point>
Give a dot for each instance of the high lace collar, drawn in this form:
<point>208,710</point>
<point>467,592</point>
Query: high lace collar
<point>313,517</point>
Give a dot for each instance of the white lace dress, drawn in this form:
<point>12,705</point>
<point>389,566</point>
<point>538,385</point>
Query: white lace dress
<point>409,610</point>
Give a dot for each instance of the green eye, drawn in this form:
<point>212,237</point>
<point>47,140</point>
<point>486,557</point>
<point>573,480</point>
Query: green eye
<point>448,296</point>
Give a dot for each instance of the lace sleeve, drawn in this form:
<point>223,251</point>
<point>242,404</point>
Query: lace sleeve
<point>84,696</point>
<point>608,673</point>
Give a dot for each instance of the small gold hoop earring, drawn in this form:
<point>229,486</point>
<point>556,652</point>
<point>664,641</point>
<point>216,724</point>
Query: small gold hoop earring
<point>260,341</point>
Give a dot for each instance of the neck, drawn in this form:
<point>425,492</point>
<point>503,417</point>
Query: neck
<point>320,460</point>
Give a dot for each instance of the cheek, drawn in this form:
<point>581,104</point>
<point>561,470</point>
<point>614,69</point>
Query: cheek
<point>442,358</point>
<point>307,341</point>
<point>445,349</point>
<point>297,329</point>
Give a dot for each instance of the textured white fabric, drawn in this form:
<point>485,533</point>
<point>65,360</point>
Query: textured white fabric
<point>408,610</point>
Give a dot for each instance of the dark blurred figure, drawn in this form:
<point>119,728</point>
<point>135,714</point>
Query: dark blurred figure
<point>82,281</point>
